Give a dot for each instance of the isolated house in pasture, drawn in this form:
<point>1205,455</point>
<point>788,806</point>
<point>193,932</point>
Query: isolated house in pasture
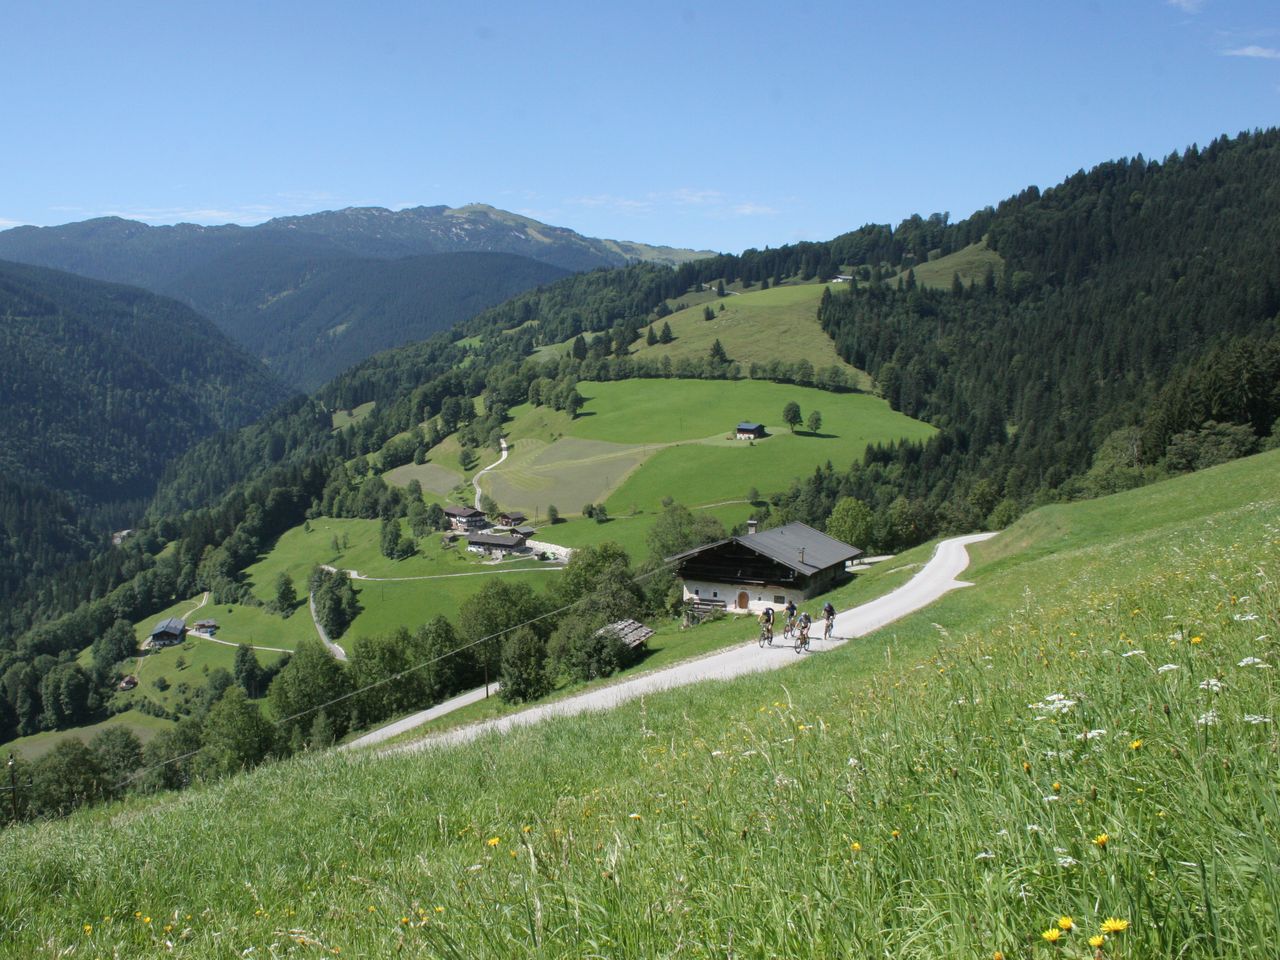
<point>512,518</point>
<point>765,569</point>
<point>465,519</point>
<point>167,633</point>
<point>751,431</point>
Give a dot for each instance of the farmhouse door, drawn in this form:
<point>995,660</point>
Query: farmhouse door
<point>743,600</point>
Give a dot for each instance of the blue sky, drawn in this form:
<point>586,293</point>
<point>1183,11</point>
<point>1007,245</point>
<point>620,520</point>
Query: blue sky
<point>710,125</point>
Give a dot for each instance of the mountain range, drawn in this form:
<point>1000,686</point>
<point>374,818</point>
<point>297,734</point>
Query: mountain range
<point>281,288</point>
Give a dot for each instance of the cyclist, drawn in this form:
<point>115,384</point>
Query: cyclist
<point>829,615</point>
<point>766,626</point>
<point>802,641</point>
<point>791,617</point>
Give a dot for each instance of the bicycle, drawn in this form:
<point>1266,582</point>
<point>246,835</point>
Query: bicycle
<point>826,631</point>
<point>790,628</point>
<point>802,638</point>
<point>766,634</point>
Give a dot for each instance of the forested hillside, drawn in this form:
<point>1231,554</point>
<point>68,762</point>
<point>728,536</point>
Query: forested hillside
<point>313,294</point>
<point>101,386</point>
<point>1130,334</point>
<point>348,309</point>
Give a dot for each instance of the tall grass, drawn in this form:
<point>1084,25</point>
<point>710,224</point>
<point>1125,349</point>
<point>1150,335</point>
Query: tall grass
<point>939,789</point>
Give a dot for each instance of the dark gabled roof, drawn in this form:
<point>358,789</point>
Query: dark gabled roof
<point>495,540</point>
<point>463,512</point>
<point>750,426</point>
<point>526,531</point>
<point>172,625</point>
<point>784,545</point>
<point>514,516</point>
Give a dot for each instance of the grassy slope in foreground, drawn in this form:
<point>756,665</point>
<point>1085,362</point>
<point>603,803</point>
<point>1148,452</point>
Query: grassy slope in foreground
<point>897,797</point>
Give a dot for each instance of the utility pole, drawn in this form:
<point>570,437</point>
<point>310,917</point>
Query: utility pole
<point>13,785</point>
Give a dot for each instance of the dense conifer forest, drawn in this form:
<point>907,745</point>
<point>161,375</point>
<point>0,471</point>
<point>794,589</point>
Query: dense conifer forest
<point>102,386</point>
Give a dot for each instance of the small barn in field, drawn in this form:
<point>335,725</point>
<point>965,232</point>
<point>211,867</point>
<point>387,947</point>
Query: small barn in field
<point>167,633</point>
<point>747,430</point>
<point>763,569</point>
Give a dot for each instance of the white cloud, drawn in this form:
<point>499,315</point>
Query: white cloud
<point>750,209</point>
<point>1187,6</point>
<point>1255,51</point>
<point>6,224</point>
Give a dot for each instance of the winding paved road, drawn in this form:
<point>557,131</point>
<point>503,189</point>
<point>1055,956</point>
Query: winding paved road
<point>475,481</point>
<point>336,651</point>
<point>937,577</point>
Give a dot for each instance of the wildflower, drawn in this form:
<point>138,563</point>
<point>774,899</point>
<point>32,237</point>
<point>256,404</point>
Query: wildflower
<point>1068,861</point>
<point>1051,798</point>
<point>526,828</point>
<point>1254,662</point>
<point>1101,841</point>
<point>1057,787</point>
<point>1134,653</point>
<point>1033,828</point>
<point>855,846</point>
<point>439,909</point>
<point>371,908</point>
<point>985,855</point>
<point>493,841</point>
<point>146,919</point>
<point>1097,940</point>
<point>88,928</point>
<point>1256,718</point>
<point>1213,685</point>
<point>1026,767</point>
<point>1066,923</point>
<point>633,816</point>
<point>1197,639</point>
<point>1207,719</point>
<point>1166,668</point>
<point>1114,925</point>
<point>896,834</point>
<point>1135,744</point>
<point>1053,935</point>
<point>1091,735</point>
<point>997,956</point>
<point>1245,617</point>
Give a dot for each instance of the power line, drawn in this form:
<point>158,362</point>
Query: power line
<point>385,680</point>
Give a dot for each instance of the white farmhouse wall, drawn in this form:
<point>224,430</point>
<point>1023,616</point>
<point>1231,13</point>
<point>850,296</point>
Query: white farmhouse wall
<point>758,597</point>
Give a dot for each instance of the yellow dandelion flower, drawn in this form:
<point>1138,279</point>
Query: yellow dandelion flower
<point>371,908</point>
<point>404,921</point>
<point>1101,841</point>
<point>1097,940</point>
<point>1135,744</point>
<point>439,909</point>
<point>896,834</point>
<point>1197,639</point>
<point>1057,787</point>
<point>997,956</point>
<point>1066,923</point>
<point>88,928</point>
<point>138,914</point>
<point>1052,935</point>
<point>855,846</point>
<point>146,919</point>
<point>633,816</point>
<point>526,828</point>
<point>1114,925</point>
<point>494,841</point>
<point>168,927</point>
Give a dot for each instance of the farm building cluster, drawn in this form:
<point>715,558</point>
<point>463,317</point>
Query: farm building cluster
<point>508,536</point>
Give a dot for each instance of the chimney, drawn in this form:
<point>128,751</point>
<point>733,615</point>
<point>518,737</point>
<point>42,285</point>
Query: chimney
<point>802,554</point>
<point>751,527</point>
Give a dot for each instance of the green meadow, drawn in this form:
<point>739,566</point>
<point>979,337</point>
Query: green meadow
<point>971,263</point>
<point>1083,742</point>
<point>780,323</point>
<point>638,441</point>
